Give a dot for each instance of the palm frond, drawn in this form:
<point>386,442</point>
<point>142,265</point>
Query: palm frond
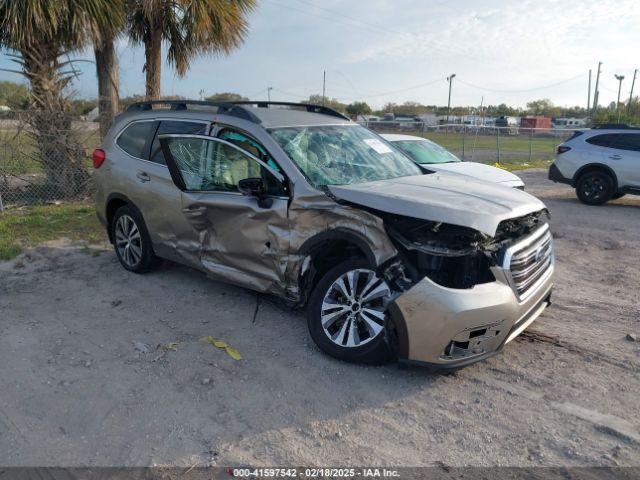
<point>191,27</point>
<point>71,24</point>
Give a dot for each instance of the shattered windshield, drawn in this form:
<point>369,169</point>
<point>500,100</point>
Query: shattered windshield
<point>342,154</point>
<point>425,152</point>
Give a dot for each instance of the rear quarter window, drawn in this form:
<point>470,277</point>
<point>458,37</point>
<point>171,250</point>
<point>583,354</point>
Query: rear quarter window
<point>575,134</point>
<point>135,136</point>
<point>603,140</point>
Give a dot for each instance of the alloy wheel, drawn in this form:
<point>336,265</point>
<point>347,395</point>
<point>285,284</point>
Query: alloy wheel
<point>593,188</point>
<point>353,309</point>
<point>128,241</point>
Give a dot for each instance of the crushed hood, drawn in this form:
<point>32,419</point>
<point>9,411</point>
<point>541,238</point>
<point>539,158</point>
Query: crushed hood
<point>442,197</point>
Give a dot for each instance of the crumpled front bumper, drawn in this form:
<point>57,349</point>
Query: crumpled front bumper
<point>449,328</point>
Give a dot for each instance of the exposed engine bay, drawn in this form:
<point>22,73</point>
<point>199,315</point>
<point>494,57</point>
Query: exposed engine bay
<point>450,255</point>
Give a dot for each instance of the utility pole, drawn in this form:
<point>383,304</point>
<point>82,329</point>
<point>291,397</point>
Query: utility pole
<point>324,84</point>
<point>450,80</point>
<point>619,78</point>
<point>633,83</point>
<point>595,92</point>
<point>269,93</point>
<point>589,96</point>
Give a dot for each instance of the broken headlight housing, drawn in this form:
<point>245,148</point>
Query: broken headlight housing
<point>450,255</point>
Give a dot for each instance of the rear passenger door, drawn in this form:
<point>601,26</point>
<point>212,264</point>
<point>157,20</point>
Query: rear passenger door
<point>601,151</point>
<point>164,201</point>
<point>626,158</point>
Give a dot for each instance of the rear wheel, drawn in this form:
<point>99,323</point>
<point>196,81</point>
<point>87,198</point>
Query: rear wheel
<point>595,188</point>
<point>131,241</point>
<point>347,313</point>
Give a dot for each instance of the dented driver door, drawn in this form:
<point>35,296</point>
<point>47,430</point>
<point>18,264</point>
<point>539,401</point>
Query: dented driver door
<point>236,207</point>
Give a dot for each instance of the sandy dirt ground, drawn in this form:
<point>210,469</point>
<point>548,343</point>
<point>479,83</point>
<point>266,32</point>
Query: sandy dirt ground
<point>103,367</point>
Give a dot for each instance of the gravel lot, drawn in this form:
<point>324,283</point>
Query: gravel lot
<point>90,374</point>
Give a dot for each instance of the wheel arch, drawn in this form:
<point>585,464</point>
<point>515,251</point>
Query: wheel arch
<point>325,250</point>
<point>114,202</point>
<point>594,167</point>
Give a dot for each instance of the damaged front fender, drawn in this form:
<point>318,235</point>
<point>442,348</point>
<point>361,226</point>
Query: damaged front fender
<point>318,227</point>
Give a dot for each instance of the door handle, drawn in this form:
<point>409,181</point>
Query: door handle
<point>615,157</point>
<point>143,176</point>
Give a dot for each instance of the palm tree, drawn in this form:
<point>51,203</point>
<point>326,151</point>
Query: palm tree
<point>190,27</point>
<point>39,33</point>
<point>103,39</point>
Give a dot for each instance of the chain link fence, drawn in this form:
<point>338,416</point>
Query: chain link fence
<point>510,146</point>
<point>45,157</point>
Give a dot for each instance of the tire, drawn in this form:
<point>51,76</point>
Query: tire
<point>595,188</point>
<point>368,338</point>
<point>618,195</point>
<point>131,241</point>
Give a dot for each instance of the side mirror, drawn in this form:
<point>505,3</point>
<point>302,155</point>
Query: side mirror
<point>252,187</point>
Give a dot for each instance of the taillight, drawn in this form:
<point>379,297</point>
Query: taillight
<point>98,157</point>
<point>562,149</point>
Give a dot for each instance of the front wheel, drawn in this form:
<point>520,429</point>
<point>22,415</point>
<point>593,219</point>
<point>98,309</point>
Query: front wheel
<point>347,314</point>
<point>595,188</point>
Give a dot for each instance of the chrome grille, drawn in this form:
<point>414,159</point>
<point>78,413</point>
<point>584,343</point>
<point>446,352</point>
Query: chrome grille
<point>529,261</point>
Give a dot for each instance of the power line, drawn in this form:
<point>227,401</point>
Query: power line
<point>392,92</point>
<point>468,84</point>
<point>421,85</point>
<point>377,28</point>
<point>306,12</point>
<point>373,95</point>
<point>257,93</point>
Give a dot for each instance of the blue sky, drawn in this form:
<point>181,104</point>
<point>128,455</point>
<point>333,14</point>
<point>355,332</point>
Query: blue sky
<point>397,50</point>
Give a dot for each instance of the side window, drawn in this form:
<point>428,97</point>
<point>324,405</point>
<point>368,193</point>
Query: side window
<point>206,165</point>
<point>134,138</point>
<point>602,140</point>
<point>172,126</point>
<point>250,145</point>
<point>257,150</point>
<point>627,141</point>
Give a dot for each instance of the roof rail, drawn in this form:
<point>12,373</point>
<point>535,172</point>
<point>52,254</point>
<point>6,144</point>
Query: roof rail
<point>614,126</point>
<point>234,108</point>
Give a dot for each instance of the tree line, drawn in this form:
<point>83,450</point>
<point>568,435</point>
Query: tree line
<point>629,113</point>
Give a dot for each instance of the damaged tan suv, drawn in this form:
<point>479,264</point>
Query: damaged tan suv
<point>392,260</point>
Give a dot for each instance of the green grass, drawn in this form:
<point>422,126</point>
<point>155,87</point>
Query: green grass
<point>28,226</point>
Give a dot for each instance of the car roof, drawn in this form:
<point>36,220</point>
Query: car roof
<point>601,131</point>
<point>288,117</point>
<point>396,137</point>
<point>266,114</point>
